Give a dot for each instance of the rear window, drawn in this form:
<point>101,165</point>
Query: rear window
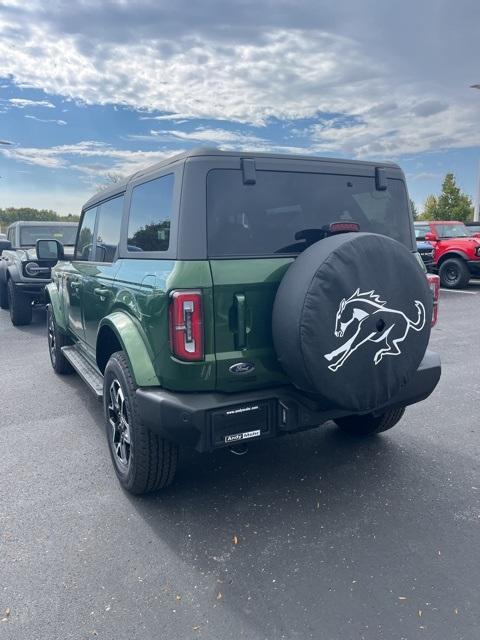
<point>65,235</point>
<point>150,215</point>
<point>284,212</point>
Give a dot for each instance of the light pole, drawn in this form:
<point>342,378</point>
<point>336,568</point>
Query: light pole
<point>476,209</point>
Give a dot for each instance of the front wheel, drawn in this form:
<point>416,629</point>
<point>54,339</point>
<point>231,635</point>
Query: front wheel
<point>454,273</point>
<point>20,306</point>
<point>57,340</point>
<point>369,424</point>
<point>143,461</point>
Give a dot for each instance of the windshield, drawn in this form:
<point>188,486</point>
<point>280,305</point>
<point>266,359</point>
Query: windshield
<point>421,231</point>
<point>457,230</point>
<point>64,234</point>
<point>284,212</point>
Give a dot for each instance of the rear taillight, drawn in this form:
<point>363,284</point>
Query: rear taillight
<point>434,284</point>
<point>186,325</point>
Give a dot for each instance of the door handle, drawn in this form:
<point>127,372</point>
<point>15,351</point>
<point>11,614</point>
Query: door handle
<point>101,293</point>
<point>74,285</point>
<point>240,304</point>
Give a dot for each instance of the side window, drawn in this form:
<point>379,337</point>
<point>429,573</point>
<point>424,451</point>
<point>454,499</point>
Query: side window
<point>108,229</point>
<point>11,236</point>
<point>150,215</point>
<point>83,249</point>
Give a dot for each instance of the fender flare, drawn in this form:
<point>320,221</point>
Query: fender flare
<point>12,271</point>
<point>3,271</point>
<point>130,336</point>
<point>454,253</point>
<point>53,298</point>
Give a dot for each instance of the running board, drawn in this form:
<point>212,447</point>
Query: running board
<point>85,370</point>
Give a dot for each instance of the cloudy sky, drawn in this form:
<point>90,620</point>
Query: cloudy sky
<point>93,89</point>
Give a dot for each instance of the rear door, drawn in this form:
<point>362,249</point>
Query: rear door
<point>98,283</point>
<point>75,271</point>
<point>257,223</point>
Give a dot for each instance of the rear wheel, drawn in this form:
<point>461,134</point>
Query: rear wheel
<point>20,306</point>
<point>57,340</point>
<point>369,424</point>
<point>454,273</point>
<point>3,296</point>
<point>143,461</point>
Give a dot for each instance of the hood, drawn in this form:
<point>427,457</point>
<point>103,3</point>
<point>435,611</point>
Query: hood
<point>31,254</point>
<point>424,246</point>
<point>463,242</point>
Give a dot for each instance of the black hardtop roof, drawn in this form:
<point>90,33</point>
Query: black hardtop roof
<point>118,187</point>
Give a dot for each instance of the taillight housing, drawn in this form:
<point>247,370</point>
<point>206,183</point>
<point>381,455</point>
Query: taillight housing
<point>434,284</point>
<point>186,325</point>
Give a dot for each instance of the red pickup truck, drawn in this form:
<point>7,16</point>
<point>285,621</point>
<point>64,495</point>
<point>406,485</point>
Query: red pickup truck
<point>456,253</point>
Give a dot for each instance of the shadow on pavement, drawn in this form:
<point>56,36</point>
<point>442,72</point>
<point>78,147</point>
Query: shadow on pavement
<point>308,530</point>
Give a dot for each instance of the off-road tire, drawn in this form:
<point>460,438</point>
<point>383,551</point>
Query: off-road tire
<point>449,268</point>
<point>152,459</point>
<point>20,306</point>
<point>57,340</point>
<point>369,424</point>
<point>3,296</point>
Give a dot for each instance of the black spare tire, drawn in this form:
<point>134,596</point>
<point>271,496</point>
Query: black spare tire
<point>352,319</point>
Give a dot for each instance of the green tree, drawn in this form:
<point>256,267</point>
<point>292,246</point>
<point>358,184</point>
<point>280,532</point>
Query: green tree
<point>414,209</point>
<point>12,214</point>
<point>452,203</point>
<point>430,208</point>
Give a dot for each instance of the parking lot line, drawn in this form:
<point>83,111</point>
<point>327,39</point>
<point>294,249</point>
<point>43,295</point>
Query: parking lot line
<point>470,293</point>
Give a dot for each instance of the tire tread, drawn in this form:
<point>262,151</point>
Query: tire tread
<point>369,424</point>
<point>20,306</point>
<point>155,458</point>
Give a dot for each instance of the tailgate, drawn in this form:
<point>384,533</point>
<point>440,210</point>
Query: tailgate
<point>243,294</point>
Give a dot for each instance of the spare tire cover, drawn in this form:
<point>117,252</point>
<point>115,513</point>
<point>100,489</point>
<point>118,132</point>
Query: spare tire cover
<point>352,319</point>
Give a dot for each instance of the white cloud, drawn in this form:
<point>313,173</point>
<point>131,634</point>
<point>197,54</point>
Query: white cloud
<point>203,134</point>
<point>21,103</point>
<point>59,122</point>
<point>108,159</point>
<point>398,88</point>
<point>174,117</point>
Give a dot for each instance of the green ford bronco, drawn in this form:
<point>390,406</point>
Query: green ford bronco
<point>221,297</point>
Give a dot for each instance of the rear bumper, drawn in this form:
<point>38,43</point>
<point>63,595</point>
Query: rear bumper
<point>207,421</point>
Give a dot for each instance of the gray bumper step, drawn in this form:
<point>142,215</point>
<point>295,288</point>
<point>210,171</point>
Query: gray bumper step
<point>85,370</point>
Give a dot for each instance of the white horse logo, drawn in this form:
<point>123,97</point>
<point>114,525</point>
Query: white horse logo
<point>391,329</point>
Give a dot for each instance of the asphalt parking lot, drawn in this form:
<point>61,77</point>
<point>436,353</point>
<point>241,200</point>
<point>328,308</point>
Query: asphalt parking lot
<point>309,536</point>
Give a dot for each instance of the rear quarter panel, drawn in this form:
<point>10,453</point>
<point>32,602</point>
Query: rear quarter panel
<point>142,290</point>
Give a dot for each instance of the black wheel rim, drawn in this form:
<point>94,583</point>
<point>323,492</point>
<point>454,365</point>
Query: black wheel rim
<point>119,425</point>
<point>451,274</point>
<point>52,343</point>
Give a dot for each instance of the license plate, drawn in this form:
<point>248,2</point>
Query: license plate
<point>236,437</point>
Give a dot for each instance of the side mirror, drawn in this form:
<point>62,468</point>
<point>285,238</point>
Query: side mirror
<point>475,235</point>
<point>431,237</point>
<point>49,250</point>
<point>5,244</point>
